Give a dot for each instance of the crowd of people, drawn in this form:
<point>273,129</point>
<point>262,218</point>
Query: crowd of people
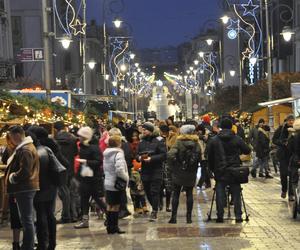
<point>157,160</point>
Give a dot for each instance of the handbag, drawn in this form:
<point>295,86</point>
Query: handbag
<point>120,184</point>
<point>57,172</point>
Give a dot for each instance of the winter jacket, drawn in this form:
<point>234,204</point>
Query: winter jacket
<point>94,159</point>
<point>114,165</point>
<point>47,190</point>
<point>253,136</point>
<point>262,144</point>
<point>156,148</point>
<point>24,164</point>
<point>224,152</point>
<point>68,146</point>
<point>280,139</point>
<point>184,177</point>
<point>240,132</point>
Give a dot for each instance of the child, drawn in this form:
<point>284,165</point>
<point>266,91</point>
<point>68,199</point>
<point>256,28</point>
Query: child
<point>137,190</point>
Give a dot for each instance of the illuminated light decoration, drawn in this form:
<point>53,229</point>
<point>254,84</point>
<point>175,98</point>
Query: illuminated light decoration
<point>232,73</point>
<point>225,19</point>
<point>78,27</point>
<point>234,25</point>
<point>249,8</point>
<point>117,23</point>
<point>253,60</point>
<point>91,64</point>
<point>251,72</point>
<point>117,43</point>
<point>287,33</point>
<point>247,53</point>
<point>201,54</point>
<point>196,62</point>
<point>232,34</point>
<point>65,28</point>
<point>209,41</point>
<point>251,40</point>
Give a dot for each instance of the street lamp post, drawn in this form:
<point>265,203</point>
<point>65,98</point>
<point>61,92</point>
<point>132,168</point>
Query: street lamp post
<point>84,48</point>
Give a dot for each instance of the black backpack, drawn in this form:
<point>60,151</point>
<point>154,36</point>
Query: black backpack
<point>188,158</point>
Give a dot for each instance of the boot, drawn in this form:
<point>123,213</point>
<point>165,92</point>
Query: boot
<point>16,246</point>
<point>189,217</point>
<point>115,223</point>
<point>173,219</point>
<point>153,216</point>
<point>109,223</point>
<point>84,223</point>
<point>145,210</point>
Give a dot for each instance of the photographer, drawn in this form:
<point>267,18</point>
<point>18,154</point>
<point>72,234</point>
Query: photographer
<point>224,152</point>
<point>152,153</point>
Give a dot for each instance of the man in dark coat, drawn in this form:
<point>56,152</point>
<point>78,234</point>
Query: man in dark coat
<point>262,151</point>
<point>280,139</point>
<point>67,193</point>
<point>151,152</point>
<point>224,152</point>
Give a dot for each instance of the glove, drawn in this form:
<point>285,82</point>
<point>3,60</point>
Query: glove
<point>11,178</point>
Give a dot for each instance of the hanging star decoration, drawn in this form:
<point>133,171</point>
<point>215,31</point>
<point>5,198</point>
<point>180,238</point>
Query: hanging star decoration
<point>247,53</point>
<point>249,8</point>
<point>78,27</point>
<point>117,44</point>
<point>234,25</point>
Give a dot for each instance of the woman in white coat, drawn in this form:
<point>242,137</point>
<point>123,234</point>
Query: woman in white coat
<point>114,165</point>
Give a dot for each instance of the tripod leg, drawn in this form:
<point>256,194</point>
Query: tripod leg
<point>211,205</point>
<point>244,205</point>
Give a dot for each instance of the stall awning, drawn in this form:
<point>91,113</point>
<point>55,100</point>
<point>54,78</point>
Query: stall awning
<point>277,102</point>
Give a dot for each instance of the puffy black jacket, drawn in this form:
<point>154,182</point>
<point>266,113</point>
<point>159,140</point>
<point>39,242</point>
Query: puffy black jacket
<point>262,144</point>
<point>47,190</point>
<point>224,151</point>
<point>184,145</point>
<point>156,148</point>
<point>94,160</point>
<point>280,139</point>
<point>68,146</point>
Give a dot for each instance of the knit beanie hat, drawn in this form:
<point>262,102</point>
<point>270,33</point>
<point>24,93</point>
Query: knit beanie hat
<point>148,126</point>
<point>296,124</point>
<point>86,132</point>
<point>206,118</point>
<point>164,128</point>
<point>187,129</point>
<point>226,123</point>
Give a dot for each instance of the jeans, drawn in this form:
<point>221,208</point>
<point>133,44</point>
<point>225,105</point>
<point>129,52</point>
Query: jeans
<point>257,164</point>
<point>25,206</point>
<point>286,184</point>
<point>64,195</point>
<point>263,165</point>
<point>75,205</point>
<point>139,201</point>
<point>45,224</point>
<point>189,199</point>
<point>152,189</point>
<point>235,190</point>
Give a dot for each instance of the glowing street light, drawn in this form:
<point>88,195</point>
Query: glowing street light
<point>132,56</point>
<point>117,23</point>
<point>123,67</point>
<point>114,84</point>
<point>232,73</point>
<point>91,64</point>
<point>225,19</point>
<point>201,54</point>
<point>220,80</point>
<point>196,62</point>
<point>287,33</point>
<point>209,41</point>
<point>65,42</point>
<point>136,65</point>
<point>201,71</point>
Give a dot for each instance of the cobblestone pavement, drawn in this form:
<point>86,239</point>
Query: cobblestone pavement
<point>270,227</point>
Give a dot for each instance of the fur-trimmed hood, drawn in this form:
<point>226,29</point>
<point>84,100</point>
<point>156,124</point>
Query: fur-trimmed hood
<point>187,137</point>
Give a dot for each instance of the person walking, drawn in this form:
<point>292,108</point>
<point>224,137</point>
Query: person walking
<point>114,165</point>
<point>89,174</point>
<point>22,179</point>
<point>280,139</point>
<point>224,152</point>
<point>152,153</point>
<point>263,150</point>
<point>67,193</point>
<point>253,136</point>
<point>45,199</point>
<point>183,159</point>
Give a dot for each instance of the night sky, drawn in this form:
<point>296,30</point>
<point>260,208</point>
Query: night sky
<point>159,23</point>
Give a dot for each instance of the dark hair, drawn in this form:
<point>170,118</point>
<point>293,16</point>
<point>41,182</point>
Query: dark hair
<point>17,129</point>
